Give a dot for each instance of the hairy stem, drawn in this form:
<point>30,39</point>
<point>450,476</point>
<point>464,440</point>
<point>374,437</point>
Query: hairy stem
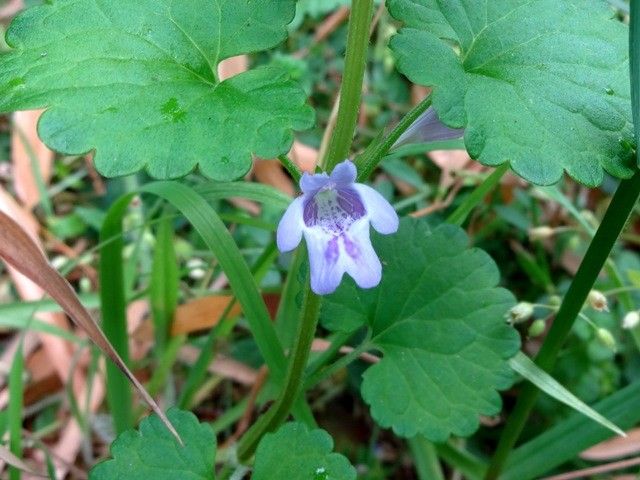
<point>279,411</point>
<point>351,91</point>
<point>371,157</point>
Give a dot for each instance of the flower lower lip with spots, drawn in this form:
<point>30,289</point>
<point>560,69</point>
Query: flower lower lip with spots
<point>334,213</point>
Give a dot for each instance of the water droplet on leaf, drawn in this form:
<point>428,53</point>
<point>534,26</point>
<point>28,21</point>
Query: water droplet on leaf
<point>321,474</point>
<point>172,111</point>
<point>609,91</point>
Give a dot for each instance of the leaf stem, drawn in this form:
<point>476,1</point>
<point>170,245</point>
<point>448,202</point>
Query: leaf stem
<point>293,382</point>
<point>462,212</point>
<point>612,224</point>
<point>374,154</point>
<point>291,167</point>
<point>351,90</point>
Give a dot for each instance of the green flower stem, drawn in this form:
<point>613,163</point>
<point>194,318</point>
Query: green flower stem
<point>462,212</point>
<point>279,411</point>
<point>291,167</point>
<point>612,224</point>
<point>371,157</point>
<point>351,90</point>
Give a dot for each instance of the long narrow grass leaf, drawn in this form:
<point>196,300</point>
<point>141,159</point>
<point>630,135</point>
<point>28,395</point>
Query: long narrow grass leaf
<point>19,250</point>
<point>545,382</point>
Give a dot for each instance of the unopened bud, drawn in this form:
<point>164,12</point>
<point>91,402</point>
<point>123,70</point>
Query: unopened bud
<point>196,268</point>
<point>598,301</point>
<point>520,313</point>
<point>555,300</point>
<point>540,233</point>
<point>631,320</point>
<point>537,328</point>
<point>606,338</point>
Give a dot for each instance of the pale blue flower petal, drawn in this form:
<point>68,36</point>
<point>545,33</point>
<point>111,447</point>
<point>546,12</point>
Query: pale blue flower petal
<point>344,173</point>
<point>291,224</point>
<point>381,214</point>
<point>360,259</point>
<point>325,261</point>
<point>310,184</point>
<point>428,128</point>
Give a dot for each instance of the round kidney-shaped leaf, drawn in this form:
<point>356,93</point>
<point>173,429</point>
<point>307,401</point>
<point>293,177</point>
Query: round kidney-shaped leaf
<point>295,453</point>
<point>541,84</point>
<point>137,82</point>
<point>438,319</point>
<point>153,452</point>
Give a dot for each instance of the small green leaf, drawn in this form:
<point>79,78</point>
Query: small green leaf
<point>541,84</point>
<point>545,382</point>
<point>152,452</point>
<point>295,453</point>
<point>137,82</point>
<point>438,319</point>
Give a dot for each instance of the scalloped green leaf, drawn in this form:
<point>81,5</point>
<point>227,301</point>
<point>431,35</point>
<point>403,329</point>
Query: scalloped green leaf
<point>438,319</point>
<point>541,84</point>
<point>296,453</point>
<point>152,452</point>
<point>137,82</point>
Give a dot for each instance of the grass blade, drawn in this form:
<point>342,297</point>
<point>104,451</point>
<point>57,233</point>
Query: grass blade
<point>17,249</point>
<point>545,382</point>
<point>15,410</point>
<point>164,284</point>
<point>568,438</point>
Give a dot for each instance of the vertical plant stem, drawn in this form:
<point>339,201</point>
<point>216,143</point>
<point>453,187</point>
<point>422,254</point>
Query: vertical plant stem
<point>462,212</point>
<point>293,383</point>
<point>355,60</point>
<point>113,305</point>
<point>15,408</point>
<point>425,458</point>
<point>612,224</point>
<point>370,158</point>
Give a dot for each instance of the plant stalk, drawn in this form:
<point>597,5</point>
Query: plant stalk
<point>279,411</point>
<point>371,157</point>
<point>351,90</point>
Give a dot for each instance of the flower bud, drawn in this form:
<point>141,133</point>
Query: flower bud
<point>520,313</point>
<point>541,233</point>
<point>537,328</point>
<point>631,320</point>
<point>606,338</point>
<point>598,301</point>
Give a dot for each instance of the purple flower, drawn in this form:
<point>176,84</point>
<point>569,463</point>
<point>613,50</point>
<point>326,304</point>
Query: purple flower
<point>428,128</point>
<point>334,214</point>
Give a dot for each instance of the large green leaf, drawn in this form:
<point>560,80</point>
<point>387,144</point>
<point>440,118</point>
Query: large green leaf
<point>438,319</point>
<point>295,453</point>
<point>152,452</point>
<point>137,82</point>
<point>541,84</point>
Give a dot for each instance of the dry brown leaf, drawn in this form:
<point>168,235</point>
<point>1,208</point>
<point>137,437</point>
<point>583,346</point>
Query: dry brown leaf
<point>233,66</point>
<point>58,350</point>
<point>11,459</point>
<point>304,156</point>
<point>19,250</point>
<point>270,172</point>
<point>26,147</point>
<point>224,366</point>
<point>450,161</point>
<point>201,314</point>
<point>616,447</point>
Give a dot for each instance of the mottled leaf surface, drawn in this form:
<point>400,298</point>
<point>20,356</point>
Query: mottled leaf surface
<point>152,452</point>
<point>438,319</point>
<point>296,453</point>
<point>541,84</point>
<point>137,82</point>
